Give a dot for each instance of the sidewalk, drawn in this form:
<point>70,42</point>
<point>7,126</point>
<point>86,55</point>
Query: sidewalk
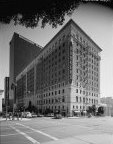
<point>94,117</point>
<point>23,119</point>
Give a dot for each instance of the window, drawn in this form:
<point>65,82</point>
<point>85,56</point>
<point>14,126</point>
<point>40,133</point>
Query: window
<point>83,100</point>
<point>63,58</point>
<point>94,101</point>
<point>89,100</point>
<point>63,91</point>
<point>80,99</point>
<point>55,92</point>
<point>63,99</point>
<point>63,44</point>
<point>76,98</point>
<point>83,107</point>
<point>63,71</point>
<point>63,51</point>
<point>63,84</point>
<point>52,101</point>
<point>84,92</point>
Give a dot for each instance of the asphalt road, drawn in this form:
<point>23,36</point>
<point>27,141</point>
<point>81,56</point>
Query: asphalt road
<point>57,131</point>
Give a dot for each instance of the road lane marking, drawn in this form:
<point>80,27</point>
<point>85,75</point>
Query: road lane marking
<point>26,136</point>
<point>15,134</point>
<point>9,134</point>
<point>54,138</point>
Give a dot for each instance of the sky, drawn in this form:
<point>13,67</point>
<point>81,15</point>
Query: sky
<point>95,20</point>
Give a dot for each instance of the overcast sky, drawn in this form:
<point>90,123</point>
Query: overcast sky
<point>95,20</point>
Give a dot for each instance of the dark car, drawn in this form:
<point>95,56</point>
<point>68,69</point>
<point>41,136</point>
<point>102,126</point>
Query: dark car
<point>50,115</point>
<point>40,115</point>
<point>58,116</point>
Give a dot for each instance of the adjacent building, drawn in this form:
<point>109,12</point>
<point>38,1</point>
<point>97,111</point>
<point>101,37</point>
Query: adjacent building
<point>6,91</point>
<point>22,52</point>
<point>1,92</point>
<point>107,102</point>
<point>64,76</point>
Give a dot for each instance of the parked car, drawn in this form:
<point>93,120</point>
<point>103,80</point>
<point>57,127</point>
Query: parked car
<point>28,115</point>
<point>89,115</point>
<point>50,115</point>
<point>34,115</point>
<point>40,115</point>
<point>58,116</point>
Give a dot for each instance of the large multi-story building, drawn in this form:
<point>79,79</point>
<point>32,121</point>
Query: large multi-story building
<point>1,91</point>
<point>22,52</point>
<point>6,91</point>
<point>65,76</point>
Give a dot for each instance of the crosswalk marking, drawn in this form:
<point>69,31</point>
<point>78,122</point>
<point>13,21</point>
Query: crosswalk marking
<point>54,138</point>
<point>25,135</point>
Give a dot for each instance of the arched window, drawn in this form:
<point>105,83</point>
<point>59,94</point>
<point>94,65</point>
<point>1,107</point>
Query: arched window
<point>76,98</point>
<point>83,100</point>
<point>80,99</point>
<point>63,99</point>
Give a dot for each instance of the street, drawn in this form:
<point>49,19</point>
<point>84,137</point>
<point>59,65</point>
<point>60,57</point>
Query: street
<point>58,131</point>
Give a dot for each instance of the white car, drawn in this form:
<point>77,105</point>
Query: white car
<point>28,115</point>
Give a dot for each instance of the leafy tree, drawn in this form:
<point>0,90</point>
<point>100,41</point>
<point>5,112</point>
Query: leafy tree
<point>94,110</point>
<point>89,110</point>
<point>100,110</point>
<point>29,13</point>
<point>32,108</point>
